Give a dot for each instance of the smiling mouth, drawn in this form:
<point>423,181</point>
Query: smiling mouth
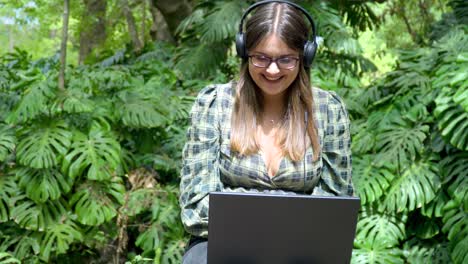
<point>272,79</point>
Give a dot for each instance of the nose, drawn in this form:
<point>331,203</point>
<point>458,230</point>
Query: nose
<point>273,68</point>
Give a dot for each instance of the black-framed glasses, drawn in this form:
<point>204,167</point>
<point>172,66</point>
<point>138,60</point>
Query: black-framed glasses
<point>284,62</point>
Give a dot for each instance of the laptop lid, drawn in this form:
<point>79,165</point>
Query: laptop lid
<point>265,228</point>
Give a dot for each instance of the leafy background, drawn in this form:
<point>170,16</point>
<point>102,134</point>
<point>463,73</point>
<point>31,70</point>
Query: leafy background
<point>90,173</point>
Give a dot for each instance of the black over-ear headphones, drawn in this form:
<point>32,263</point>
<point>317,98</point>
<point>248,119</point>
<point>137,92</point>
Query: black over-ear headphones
<point>310,47</point>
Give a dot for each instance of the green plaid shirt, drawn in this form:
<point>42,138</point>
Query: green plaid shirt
<point>209,166</point>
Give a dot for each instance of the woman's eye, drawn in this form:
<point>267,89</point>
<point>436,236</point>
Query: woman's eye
<point>285,60</point>
<point>263,58</point>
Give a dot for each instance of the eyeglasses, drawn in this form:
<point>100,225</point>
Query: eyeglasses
<point>285,62</point>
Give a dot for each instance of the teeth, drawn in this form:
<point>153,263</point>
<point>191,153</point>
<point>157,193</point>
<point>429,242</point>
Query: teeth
<point>272,79</point>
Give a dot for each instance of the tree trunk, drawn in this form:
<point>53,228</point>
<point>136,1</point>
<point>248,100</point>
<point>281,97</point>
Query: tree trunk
<point>159,29</point>
<point>11,41</point>
<point>132,29</point>
<point>93,28</point>
<point>174,11</point>
<point>63,48</point>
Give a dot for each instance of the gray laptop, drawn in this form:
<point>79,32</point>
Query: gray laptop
<point>268,229</point>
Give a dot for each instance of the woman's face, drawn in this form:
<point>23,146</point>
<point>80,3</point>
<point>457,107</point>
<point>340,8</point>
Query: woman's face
<point>272,80</point>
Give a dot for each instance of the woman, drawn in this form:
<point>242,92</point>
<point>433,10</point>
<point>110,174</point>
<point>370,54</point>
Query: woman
<point>269,131</point>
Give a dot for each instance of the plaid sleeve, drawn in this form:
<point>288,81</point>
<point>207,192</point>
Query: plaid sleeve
<point>336,151</point>
<point>199,174</point>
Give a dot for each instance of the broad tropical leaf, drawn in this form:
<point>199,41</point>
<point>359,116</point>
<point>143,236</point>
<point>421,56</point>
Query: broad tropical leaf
<point>426,251</point>
<point>455,173</point>
<point>96,202</point>
<point>423,227</point>
<point>142,110</point>
<point>435,208</point>
<point>58,238</point>
<point>42,146</point>
<point>33,103</point>
<point>370,180</point>
<point>7,141</point>
<point>452,119</point>
<point>149,240</point>
<point>6,258</point>
<point>37,216</point>
<point>74,101</point>
<point>401,142</point>
<point>363,137</point>
<point>377,256</point>
<point>456,226</point>
<point>222,21</point>
<point>97,153</point>
<point>415,187</point>
<point>377,230</point>
<point>9,190</point>
<point>173,252</point>
<point>43,185</point>
<point>200,60</point>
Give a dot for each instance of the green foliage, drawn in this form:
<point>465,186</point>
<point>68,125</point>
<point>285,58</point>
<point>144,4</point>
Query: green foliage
<point>73,149</point>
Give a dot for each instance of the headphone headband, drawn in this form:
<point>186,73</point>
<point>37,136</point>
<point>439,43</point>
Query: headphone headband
<point>250,8</point>
<point>310,46</point>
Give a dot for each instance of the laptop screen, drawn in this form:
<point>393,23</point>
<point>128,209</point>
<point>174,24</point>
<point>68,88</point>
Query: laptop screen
<point>265,228</point>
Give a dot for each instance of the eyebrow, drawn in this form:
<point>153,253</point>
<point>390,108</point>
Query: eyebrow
<point>266,55</point>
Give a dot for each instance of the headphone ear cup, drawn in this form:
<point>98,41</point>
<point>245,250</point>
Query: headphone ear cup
<point>240,45</point>
<point>309,52</point>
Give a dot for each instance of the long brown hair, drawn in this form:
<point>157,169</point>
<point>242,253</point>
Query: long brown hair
<point>287,23</point>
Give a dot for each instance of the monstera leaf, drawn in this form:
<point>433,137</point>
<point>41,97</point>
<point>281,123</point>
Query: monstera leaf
<point>377,230</point>
<point>6,258</point>
<point>96,202</point>
<point>43,185</point>
<point>401,141</point>
<point>7,141</point>
<point>8,191</point>
<point>415,187</point>
<point>37,216</point>
<point>455,173</point>
<point>74,101</point>
<point>370,181</point>
<point>436,207</point>
<point>97,153</point>
<point>173,251</point>
<point>149,239</point>
<point>43,145</point>
<point>58,238</point>
<point>456,226</point>
<point>33,103</point>
<point>427,251</point>
<point>452,119</point>
<point>377,256</point>
<point>140,109</point>
<point>221,23</point>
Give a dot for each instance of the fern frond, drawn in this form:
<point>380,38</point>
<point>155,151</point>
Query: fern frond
<point>43,145</point>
